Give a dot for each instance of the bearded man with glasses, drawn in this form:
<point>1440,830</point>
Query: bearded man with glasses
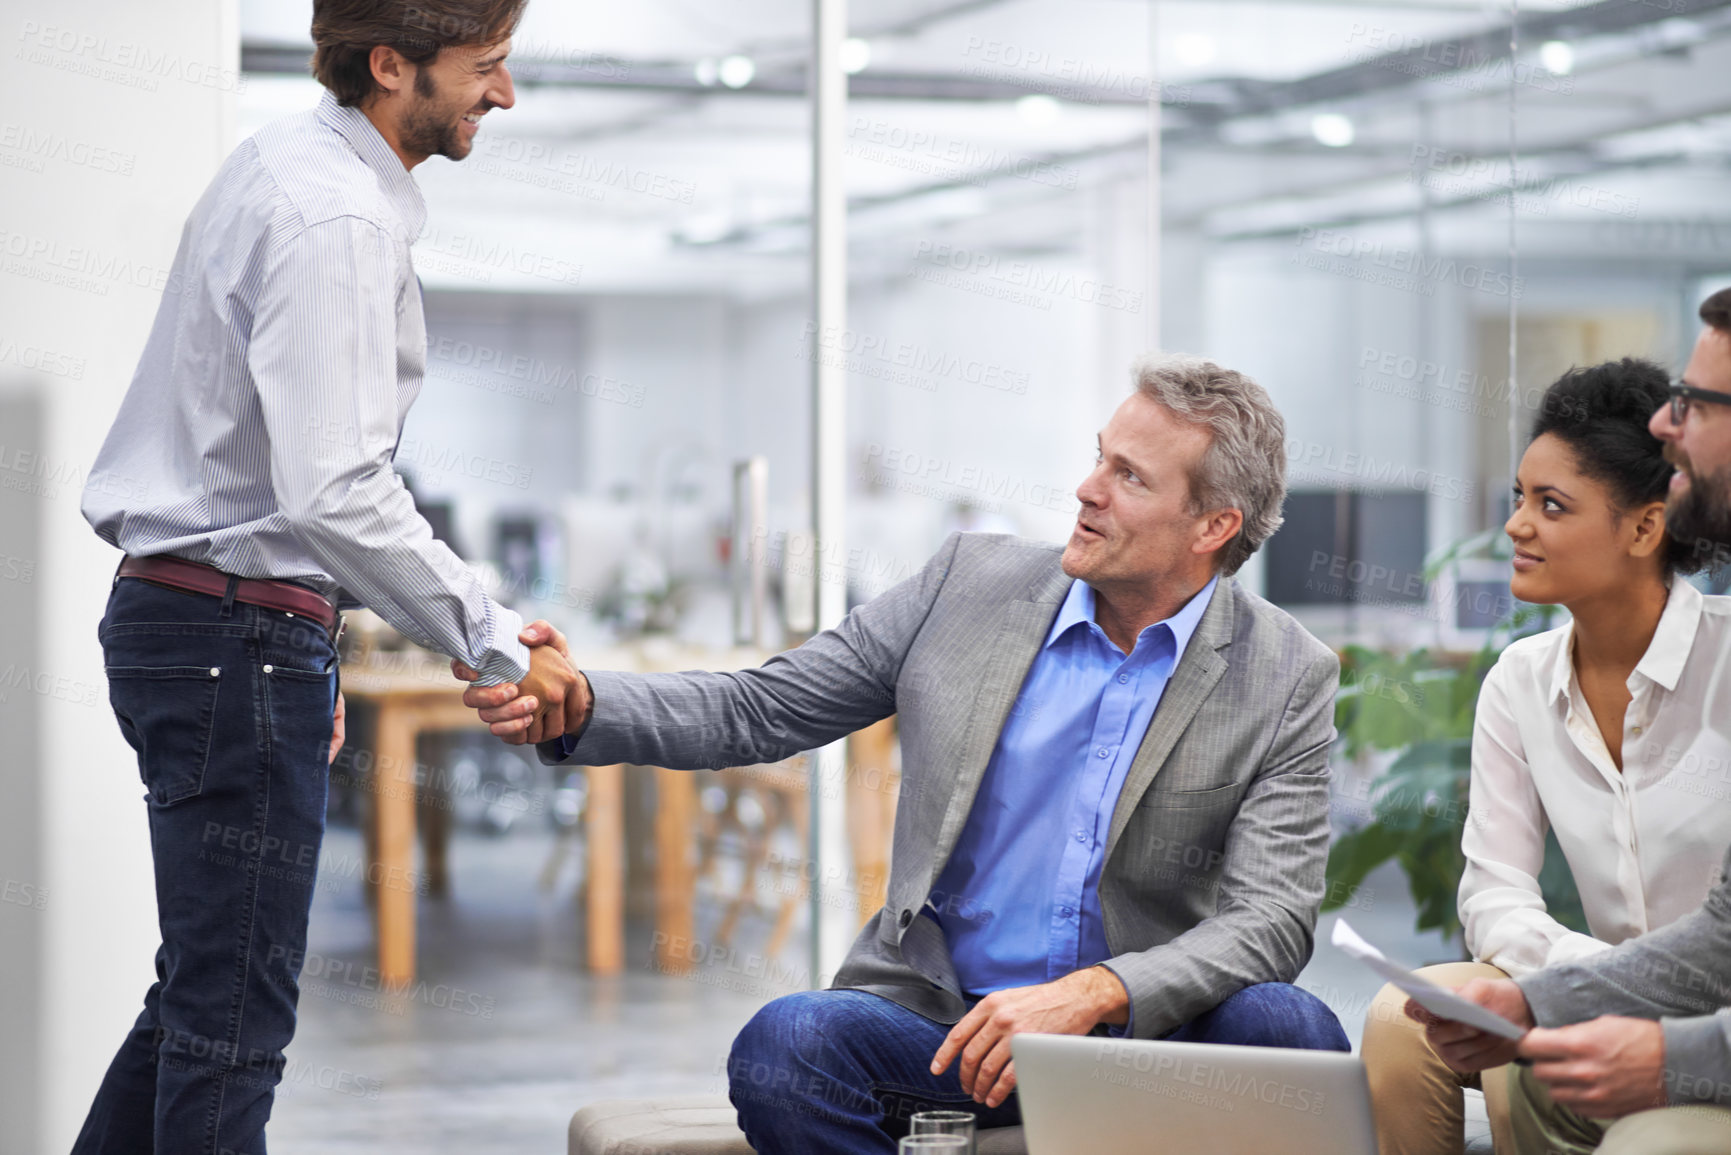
<point>1696,429</point>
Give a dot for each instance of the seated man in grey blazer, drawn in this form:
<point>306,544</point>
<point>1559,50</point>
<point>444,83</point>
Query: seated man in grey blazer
<point>1114,810</point>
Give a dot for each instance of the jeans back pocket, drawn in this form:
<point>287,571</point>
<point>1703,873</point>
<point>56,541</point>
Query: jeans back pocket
<point>167,714</point>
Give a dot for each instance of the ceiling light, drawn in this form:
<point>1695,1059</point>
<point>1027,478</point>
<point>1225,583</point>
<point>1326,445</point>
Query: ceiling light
<point>1557,57</point>
<point>705,72</point>
<point>1332,129</point>
<point>705,228</point>
<point>1194,49</point>
<point>855,55</point>
<point>737,71</point>
<point>1038,109</point>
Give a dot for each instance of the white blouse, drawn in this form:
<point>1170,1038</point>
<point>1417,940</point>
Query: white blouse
<point>1645,844</point>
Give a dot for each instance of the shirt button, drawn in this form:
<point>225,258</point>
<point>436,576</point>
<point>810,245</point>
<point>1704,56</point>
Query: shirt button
<point>1081,836</point>
<point>1101,752</point>
<point>1066,912</point>
<point>1123,679</point>
<point>1636,731</point>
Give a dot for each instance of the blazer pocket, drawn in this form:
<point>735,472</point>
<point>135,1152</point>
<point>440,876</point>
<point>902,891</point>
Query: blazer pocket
<point>1157,799</point>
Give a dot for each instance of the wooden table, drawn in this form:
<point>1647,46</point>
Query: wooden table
<point>413,697</point>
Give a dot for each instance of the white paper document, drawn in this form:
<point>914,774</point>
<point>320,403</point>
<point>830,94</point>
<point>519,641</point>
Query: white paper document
<point>1439,1001</point>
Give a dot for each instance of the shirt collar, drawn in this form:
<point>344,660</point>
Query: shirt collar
<point>1666,654</point>
<point>394,179</point>
<point>1078,608</point>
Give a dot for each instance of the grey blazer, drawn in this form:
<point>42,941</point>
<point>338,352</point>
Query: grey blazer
<point>1215,855</point>
<point>1679,974</point>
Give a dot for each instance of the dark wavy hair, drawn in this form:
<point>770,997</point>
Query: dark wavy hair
<point>1601,414</point>
<point>345,31</point>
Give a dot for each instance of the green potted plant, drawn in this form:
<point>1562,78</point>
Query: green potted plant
<point>1419,705</point>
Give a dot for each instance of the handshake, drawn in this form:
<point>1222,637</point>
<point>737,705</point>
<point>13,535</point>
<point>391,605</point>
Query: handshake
<point>551,700</point>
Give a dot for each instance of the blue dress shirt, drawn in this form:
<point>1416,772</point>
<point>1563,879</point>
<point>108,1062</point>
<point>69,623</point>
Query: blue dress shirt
<point>1019,900</point>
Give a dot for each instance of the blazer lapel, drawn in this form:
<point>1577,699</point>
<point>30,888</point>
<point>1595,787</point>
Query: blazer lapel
<point>1020,635</point>
<point>1191,683</point>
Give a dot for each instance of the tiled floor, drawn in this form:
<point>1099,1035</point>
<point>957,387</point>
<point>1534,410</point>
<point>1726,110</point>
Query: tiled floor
<point>507,1035</point>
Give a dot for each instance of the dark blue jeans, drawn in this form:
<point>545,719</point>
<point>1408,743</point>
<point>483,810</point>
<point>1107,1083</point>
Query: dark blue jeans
<point>229,707</point>
<point>843,1071</point>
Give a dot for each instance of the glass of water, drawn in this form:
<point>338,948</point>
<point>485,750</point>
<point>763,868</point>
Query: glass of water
<point>945,1123</point>
<point>929,1144</point>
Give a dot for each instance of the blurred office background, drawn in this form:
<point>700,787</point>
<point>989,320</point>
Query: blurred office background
<point>617,418</point>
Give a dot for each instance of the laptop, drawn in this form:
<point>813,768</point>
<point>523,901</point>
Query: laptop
<point>1097,1096</point>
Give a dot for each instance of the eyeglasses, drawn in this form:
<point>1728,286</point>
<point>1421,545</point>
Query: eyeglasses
<point>1682,393</point>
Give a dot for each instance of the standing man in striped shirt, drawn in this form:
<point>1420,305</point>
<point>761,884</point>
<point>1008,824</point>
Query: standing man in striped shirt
<point>263,417</point>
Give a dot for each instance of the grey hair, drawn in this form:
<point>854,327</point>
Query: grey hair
<point>1244,466</point>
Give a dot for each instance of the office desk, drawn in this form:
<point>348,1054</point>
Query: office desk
<point>414,694</point>
<point>413,697</point>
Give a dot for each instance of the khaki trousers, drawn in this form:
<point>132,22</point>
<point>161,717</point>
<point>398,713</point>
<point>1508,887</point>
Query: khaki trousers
<point>1419,1104</point>
<point>1541,1127</point>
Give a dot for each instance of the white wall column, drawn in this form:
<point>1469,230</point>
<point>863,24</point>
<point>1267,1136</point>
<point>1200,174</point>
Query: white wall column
<point>119,114</point>
<point>832,929</point>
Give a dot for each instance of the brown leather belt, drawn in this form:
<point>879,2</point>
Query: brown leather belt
<point>196,577</point>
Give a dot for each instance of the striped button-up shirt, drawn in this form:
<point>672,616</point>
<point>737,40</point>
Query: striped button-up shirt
<point>260,427</point>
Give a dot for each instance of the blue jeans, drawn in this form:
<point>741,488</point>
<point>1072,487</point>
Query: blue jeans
<point>842,1071</point>
<point>229,707</point>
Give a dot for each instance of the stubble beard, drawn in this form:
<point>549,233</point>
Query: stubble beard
<point>1701,516</point>
<point>426,129</point>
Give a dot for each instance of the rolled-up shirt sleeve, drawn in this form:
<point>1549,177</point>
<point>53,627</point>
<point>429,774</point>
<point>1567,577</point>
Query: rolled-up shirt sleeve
<point>1501,904</point>
<point>323,358</point>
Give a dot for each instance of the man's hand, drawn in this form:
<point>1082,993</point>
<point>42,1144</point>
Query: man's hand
<point>1605,1068</point>
<point>513,711</point>
<point>1467,1049</point>
<point>1069,1006</point>
<point>338,730</point>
